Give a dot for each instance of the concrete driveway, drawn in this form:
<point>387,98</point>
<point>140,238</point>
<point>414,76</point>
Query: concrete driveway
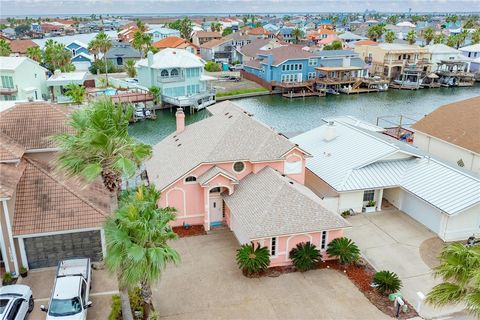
<point>103,287</point>
<point>208,285</point>
<point>391,240</point>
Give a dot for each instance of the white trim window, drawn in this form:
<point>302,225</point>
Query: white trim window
<point>368,195</point>
<point>323,241</point>
<point>311,75</point>
<point>312,62</point>
<point>273,246</point>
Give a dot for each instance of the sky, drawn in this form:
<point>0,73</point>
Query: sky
<point>62,7</point>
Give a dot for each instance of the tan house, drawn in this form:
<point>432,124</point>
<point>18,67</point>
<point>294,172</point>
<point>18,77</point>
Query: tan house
<point>201,37</point>
<point>391,59</point>
<point>44,217</point>
<point>452,133</point>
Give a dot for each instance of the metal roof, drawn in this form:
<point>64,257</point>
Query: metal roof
<point>359,159</point>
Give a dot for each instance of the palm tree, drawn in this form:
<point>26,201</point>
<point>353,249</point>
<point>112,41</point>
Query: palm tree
<point>76,93</point>
<point>103,44</point>
<point>462,36</point>
<point>452,41</point>
<point>93,48</point>
<point>428,35</point>
<point>156,92</point>
<point>389,36</point>
<point>141,26</point>
<point>186,28</point>
<point>130,68</point>
<point>57,57</point>
<point>411,37</point>
<point>297,33</point>
<point>4,48</point>
<point>137,238</point>
<point>376,32</point>
<point>34,53</point>
<point>439,38</point>
<point>460,270</point>
<point>476,36</point>
<point>345,249</point>
<point>101,145</point>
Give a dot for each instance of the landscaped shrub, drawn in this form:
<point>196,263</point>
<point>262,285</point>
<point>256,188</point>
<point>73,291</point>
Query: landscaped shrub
<point>305,256</point>
<point>116,311</point>
<point>253,260</point>
<point>100,66</point>
<point>7,279</point>
<point>387,282</point>
<point>211,66</point>
<point>345,249</point>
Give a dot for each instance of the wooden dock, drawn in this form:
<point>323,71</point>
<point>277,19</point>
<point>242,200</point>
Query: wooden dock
<point>303,94</point>
<point>359,90</point>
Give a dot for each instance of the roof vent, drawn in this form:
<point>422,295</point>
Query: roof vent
<point>329,131</point>
<point>178,145</point>
<point>291,182</point>
<point>230,117</point>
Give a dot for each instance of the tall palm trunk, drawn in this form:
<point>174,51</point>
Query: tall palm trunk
<point>106,66</point>
<point>146,293</point>
<point>125,302</point>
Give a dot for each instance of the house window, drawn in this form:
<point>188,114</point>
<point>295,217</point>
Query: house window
<point>119,61</point>
<point>164,73</point>
<point>191,179</point>
<point>215,190</point>
<point>7,82</point>
<point>273,246</point>
<point>461,163</point>
<point>294,167</point>
<point>311,75</point>
<point>323,241</point>
<point>300,66</point>
<point>368,195</point>
<point>312,62</point>
<point>238,166</point>
<point>174,73</point>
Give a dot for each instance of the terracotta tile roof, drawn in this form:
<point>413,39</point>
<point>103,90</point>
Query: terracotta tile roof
<point>457,123</point>
<point>326,31</point>
<point>11,174</point>
<point>9,149</point>
<point>366,42</point>
<point>169,42</point>
<point>32,124</point>
<point>258,31</point>
<point>21,46</point>
<point>47,202</point>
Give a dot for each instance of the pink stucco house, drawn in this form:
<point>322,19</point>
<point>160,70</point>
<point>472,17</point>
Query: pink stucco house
<point>230,169</point>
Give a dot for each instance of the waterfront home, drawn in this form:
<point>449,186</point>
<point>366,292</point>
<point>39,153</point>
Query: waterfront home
<point>390,60</point>
<point>19,47</point>
<point>471,51</point>
<point>218,50</point>
<point>22,79</point>
<point>200,37</point>
<point>59,80</point>
<point>452,133</point>
<point>81,58</point>
<point>230,169</point>
<point>174,42</point>
<point>121,52</point>
<point>285,34</point>
<point>355,168</point>
<point>162,33</point>
<point>249,51</point>
<point>179,74</point>
<point>442,52</point>
<point>44,217</point>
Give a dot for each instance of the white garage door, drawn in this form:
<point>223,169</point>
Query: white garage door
<point>421,211</point>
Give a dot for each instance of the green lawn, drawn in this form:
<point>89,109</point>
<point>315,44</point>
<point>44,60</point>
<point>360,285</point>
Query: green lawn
<point>235,92</point>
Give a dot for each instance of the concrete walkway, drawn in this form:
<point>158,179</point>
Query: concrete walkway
<point>208,285</point>
<point>391,240</point>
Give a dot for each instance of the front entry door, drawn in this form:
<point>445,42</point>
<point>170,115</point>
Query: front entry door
<point>216,210</point>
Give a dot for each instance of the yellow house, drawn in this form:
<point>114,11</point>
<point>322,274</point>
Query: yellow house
<point>391,59</point>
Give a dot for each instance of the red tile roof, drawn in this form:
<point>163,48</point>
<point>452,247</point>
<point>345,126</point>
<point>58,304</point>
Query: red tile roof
<point>21,46</point>
<point>9,149</point>
<point>172,42</point>
<point>258,31</point>
<point>366,42</point>
<point>11,174</point>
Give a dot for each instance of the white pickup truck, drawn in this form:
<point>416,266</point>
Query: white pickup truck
<point>69,300</point>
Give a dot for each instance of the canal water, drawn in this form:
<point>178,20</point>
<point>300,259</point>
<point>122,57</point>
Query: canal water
<point>298,115</point>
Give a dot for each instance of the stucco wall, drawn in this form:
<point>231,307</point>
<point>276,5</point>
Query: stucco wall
<point>350,200</point>
<point>463,225</point>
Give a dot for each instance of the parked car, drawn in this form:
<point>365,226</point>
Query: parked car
<point>16,302</point>
<point>70,293</point>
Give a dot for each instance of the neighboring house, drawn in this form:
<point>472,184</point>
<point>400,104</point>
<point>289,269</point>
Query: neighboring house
<point>19,47</point>
<point>259,33</point>
<point>76,47</point>
<point>441,52</point>
<point>121,52</point>
<point>472,51</point>
<point>250,51</point>
<point>81,58</point>
<point>285,34</point>
<point>452,133</point>
<point>162,33</point>
<point>179,74</point>
<point>353,165</point>
<point>127,33</point>
<point>200,37</point>
<point>44,216</point>
<point>218,50</point>
<point>348,37</point>
<point>475,67</point>
<point>22,79</point>
<point>176,43</point>
<point>391,59</point>
<point>9,33</point>
<point>59,80</point>
<point>254,185</point>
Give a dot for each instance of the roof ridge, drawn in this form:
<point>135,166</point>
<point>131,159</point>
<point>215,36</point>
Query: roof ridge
<point>62,183</point>
<point>12,142</point>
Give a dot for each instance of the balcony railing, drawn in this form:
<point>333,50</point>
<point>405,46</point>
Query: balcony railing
<point>170,79</point>
<point>7,91</point>
<point>406,61</point>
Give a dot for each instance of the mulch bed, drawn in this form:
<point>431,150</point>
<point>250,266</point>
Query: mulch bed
<point>182,232</point>
<point>361,274</point>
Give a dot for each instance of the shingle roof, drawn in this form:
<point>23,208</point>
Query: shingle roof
<point>21,46</point>
<point>289,52</point>
<point>10,176</point>
<point>213,172</point>
<point>251,49</point>
<point>47,202</point>
<point>32,124</point>
<point>9,149</point>
<point>267,204</point>
<point>214,43</point>
<point>457,123</point>
<point>124,51</point>
<point>230,134</point>
<point>208,34</point>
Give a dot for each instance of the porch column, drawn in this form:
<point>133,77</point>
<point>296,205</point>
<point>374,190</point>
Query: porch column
<point>206,222</point>
<point>379,199</point>
<point>104,245</point>
<point>3,249</point>
<point>10,237</point>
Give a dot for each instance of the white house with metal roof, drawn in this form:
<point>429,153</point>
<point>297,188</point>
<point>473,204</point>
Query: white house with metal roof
<point>356,166</point>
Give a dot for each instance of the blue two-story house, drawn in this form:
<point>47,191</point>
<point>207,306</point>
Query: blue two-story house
<point>81,57</point>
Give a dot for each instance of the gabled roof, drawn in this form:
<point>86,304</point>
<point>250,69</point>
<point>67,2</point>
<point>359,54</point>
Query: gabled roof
<point>47,202</point>
<point>289,52</point>
<point>173,58</point>
<point>214,172</point>
<point>32,124</point>
<point>10,176</point>
<point>366,42</point>
<point>267,204</point>
<point>9,149</point>
<point>171,42</point>
<point>359,159</point>
<point>12,63</point>
<point>457,123</point>
<point>125,51</point>
<point>230,134</point>
<point>254,47</point>
<point>471,48</point>
<point>214,43</point>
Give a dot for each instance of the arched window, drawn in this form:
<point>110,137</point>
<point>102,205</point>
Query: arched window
<point>190,179</point>
<point>164,73</point>
<point>174,73</point>
<point>238,166</point>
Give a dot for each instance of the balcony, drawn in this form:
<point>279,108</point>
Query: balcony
<point>396,61</point>
<point>170,79</point>
<point>8,91</point>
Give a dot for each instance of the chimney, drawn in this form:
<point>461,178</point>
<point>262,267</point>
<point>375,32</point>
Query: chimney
<point>180,117</point>
<point>329,132</point>
<point>150,58</point>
